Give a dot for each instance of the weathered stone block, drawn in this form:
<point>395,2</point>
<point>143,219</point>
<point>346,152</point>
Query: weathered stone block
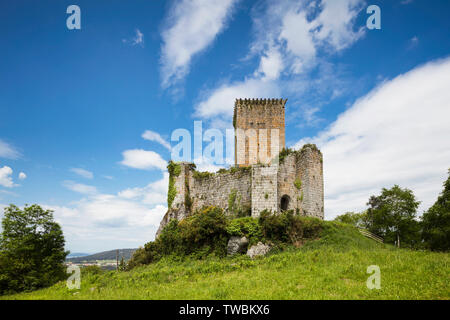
<point>237,245</point>
<point>260,249</point>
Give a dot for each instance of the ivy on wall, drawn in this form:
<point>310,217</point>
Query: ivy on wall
<point>174,171</point>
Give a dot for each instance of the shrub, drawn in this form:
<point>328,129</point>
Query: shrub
<point>205,229</point>
<point>288,228</point>
<point>94,270</point>
<point>247,227</point>
<point>199,235</point>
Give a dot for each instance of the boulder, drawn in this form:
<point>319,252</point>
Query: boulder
<point>237,245</point>
<point>258,250</point>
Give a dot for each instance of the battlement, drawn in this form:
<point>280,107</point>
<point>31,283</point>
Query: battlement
<point>248,106</point>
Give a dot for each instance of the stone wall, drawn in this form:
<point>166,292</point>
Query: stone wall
<point>264,189</point>
<point>298,178</point>
<point>221,188</point>
<point>197,190</point>
<point>259,130</point>
<point>310,170</point>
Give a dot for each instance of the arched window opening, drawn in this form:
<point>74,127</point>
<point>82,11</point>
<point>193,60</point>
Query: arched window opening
<point>284,205</point>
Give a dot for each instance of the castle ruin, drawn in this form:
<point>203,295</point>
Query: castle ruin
<point>266,176</point>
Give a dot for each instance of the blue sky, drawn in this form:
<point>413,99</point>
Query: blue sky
<point>75,104</point>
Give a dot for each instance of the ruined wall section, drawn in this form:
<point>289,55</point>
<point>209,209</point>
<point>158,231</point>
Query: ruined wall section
<point>221,190</point>
<point>310,171</point>
<point>264,189</point>
<point>288,174</point>
<point>177,185</point>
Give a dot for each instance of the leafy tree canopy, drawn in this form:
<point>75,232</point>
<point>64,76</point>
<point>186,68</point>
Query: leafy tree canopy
<point>392,214</point>
<point>31,249</point>
<point>436,221</point>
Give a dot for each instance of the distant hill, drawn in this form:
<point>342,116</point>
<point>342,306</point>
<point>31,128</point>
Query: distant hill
<point>77,254</point>
<point>105,255</point>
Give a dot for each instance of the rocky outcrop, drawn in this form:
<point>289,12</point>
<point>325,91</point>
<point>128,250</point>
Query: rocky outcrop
<point>260,249</point>
<point>237,245</point>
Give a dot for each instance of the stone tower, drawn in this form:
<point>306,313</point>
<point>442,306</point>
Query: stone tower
<point>256,183</point>
<point>259,130</point>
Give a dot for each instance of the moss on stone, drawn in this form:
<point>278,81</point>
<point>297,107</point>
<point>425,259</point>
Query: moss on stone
<point>202,175</point>
<point>298,183</point>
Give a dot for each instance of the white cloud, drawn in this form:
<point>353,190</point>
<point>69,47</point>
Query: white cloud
<point>100,222</point>
<point>143,159</point>
<point>397,134</point>
<point>153,193</point>
<point>5,177</point>
<point>22,176</point>
<point>221,100</point>
<point>8,151</point>
<point>414,42</point>
<point>191,26</point>
<point>83,173</point>
<point>79,187</point>
<point>138,39</point>
<point>290,36</point>
<point>335,23</point>
<point>154,136</point>
<point>271,64</point>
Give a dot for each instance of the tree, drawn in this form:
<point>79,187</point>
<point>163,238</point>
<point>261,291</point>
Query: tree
<point>32,251</point>
<point>391,216</point>
<point>436,221</point>
<point>355,219</point>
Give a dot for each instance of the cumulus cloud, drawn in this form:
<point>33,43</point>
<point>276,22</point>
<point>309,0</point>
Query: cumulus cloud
<point>100,222</point>
<point>289,38</point>
<point>83,173</point>
<point>8,151</point>
<point>335,23</point>
<point>191,26</point>
<point>143,159</point>
<point>221,100</point>
<point>153,193</point>
<point>79,187</point>
<point>156,137</point>
<point>397,134</point>
<point>22,176</point>
<point>5,177</point>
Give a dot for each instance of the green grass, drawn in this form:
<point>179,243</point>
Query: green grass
<point>333,267</point>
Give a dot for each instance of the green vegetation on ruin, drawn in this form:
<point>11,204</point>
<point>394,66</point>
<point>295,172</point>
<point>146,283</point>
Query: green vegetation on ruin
<point>174,171</point>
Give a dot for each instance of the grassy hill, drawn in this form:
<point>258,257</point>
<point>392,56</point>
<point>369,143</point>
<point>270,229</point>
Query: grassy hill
<point>332,267</point>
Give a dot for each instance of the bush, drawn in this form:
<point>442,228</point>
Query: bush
<point>208,230</point>
<point>247,227</point>
<point>199,235</point>
<point>93,270</point>
<point>289,228</point>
